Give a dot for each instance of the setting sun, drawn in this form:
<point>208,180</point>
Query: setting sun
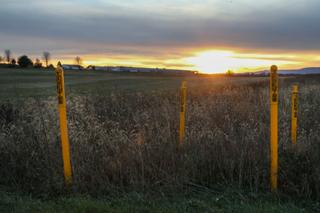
<point>219,61</point>
<point>204,61</point>
<point>159,106</point>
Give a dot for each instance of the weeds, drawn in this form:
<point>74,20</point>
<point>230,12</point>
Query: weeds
<point>129,140</point>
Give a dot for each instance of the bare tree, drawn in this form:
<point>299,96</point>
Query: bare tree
<point>13,61</point>
<point>46,58</point>
<point>37,63</point>
<point>7,55</point>
<point>78,60</point>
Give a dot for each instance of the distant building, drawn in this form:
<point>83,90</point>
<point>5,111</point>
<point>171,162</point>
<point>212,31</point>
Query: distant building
<point>71,67</point>
<point>141,70</point>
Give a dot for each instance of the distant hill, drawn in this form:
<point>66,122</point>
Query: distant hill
<point>303,71</point>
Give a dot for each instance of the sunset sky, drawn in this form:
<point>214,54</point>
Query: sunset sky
<point>208,35</point>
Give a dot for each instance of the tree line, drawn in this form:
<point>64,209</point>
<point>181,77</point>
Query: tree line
<point>25,62</point>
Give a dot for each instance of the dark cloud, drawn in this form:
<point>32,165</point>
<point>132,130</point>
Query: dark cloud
<point>36,29</point>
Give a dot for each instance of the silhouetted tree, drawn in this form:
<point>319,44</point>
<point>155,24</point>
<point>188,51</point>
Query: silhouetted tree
<point>37,63</point>
<point>51,66</point>
<point>13,61</point>
<point>91,67</point>
<point>230,73</point>
<point>78,60</point>
<point>24,61</point>
<point>7,54</point>
<point>46,58</point>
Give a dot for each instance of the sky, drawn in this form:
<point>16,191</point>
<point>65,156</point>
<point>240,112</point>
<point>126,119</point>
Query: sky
<point>206,35</point>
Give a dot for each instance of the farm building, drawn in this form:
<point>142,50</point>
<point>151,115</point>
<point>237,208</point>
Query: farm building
<point>140,69</point>
<point>71,67</point>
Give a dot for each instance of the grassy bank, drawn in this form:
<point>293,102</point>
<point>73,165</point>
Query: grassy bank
<point>205,201</point>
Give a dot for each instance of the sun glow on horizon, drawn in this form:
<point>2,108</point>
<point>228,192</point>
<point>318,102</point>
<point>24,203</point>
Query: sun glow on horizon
<point>203,60</point>
<point>220,61</point>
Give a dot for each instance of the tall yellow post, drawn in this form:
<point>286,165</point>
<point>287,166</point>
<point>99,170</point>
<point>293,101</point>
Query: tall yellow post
<point>274,128</point>
<point>294,114</point>
<point>182,112</point>
<point>63,125</point>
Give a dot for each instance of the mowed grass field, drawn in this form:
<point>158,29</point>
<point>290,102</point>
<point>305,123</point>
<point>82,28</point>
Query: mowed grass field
<point>123,131</point>
<point>41,83</point>
<point>22,83</point>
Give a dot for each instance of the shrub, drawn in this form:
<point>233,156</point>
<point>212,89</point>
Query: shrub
<point>24,61</point>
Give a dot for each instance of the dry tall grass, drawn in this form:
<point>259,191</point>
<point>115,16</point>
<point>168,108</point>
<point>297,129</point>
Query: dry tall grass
<point>126,141</point>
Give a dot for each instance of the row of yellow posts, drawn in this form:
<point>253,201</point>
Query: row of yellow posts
<point>274,89</point>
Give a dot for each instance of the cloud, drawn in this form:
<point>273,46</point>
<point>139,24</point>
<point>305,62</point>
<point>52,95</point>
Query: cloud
<point>153,28</point>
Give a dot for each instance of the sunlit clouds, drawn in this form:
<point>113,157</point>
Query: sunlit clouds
<point>209,35</point>
<point>210,61</point>
<point>220,61</point>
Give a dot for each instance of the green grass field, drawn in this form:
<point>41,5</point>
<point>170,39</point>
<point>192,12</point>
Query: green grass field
<point>123,131</point>
<point>18,83</point>
<point>23,83</point>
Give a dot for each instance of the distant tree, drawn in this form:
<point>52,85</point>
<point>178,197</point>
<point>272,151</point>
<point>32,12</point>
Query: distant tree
<point>37,63</point>
<point>78,60</point>
<point>51,66</point>
<point>7,54</point>
<point>13,61</point>
<point>1,59</point>
<point>46,58</point>
<point>230,73</point>
<point>24,61</point>
<point>91,67</point>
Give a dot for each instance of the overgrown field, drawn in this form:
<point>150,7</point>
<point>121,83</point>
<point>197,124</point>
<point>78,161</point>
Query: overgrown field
<point>125,139</point>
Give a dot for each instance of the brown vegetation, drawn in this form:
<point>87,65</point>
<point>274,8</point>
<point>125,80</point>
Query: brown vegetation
<point>126,141</point>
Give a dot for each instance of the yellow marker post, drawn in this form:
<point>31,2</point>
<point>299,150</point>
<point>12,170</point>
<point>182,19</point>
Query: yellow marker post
<point>294,114</point>
<point>274,128</point>
<point>182,112</point>
<point>63,125</point>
